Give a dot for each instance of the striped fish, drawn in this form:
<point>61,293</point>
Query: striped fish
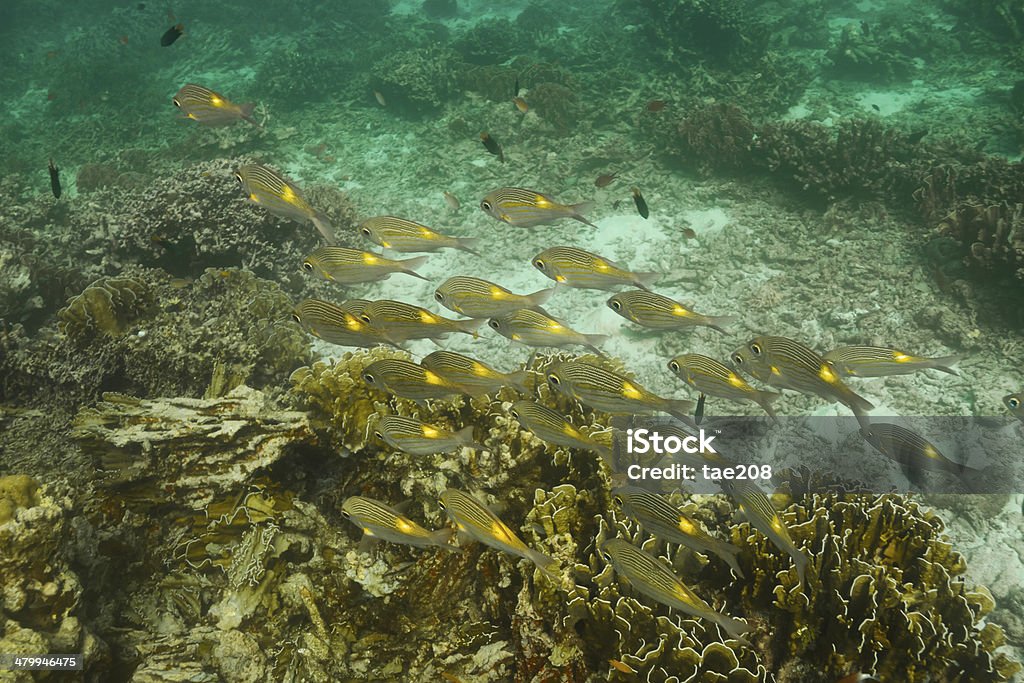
<point>612,393</point>
<point>406,379</point>
<point>211,108</point>
<point>419,438</point>
<point>476,298</point>
<point>338,324</point>
<point>473,519</point>
<point>710,377</point>
<point>547,425</point>
<point>908,448</point>
<point>404,235</point>
<point>578,268</point>
<point>878,361</point>
<point>402,321</point>
<point>351,266</point>
<point>653,578</point>
<point>533,328</point>
<point>657,516</point>
<point>527,208</point>
<point>759,511</point>
<point>472,376</point>
<point>788,364</point>
<point>1015,402</point>
<point>281,197</point>
<point>378,520</point>
<point>658,312</point>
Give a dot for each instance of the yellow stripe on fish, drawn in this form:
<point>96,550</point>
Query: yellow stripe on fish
<point>378,520</point>
<point>402,321</point>
<point>758,510</point>
<point>211,108</point>
<point>420,438</point>
<point>281,197</point>
<point>472,376</point>
<point>909,449</point>
<point>476,298</point>
<point>404,235</point>
<point>878,361</point>
<point>610,392</point>
<point>338,324</point>
<point>406,379</point>
<point>710,377</point>
<point>352,266</point>
<point>659,312</point>
<point>533,328</point>
<point>526,208</point>
<point>547,425</point>
<point>575,267</point>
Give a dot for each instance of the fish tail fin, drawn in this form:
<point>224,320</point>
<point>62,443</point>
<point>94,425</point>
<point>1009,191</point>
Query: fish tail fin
<point>800,562</point>
<point>246,110</point>
<point>409,266</point>
<point>540,298</point>
<point>468,244</point>
<point>442,538</point>
<point>323,226</point>
<point>547,564</point>
<point>729,556</point>
<point>857,403</point>
<point>765,399</point>
<point>592,340</point>
<point>721,322</point>
<point>518,381</point>
<point>736,629</point>
<point>645,280</point>
<point>469,326</point>
<point>944,363</point>
<point>464,437</point>
<point>681,408</point>
<point>582,208</point>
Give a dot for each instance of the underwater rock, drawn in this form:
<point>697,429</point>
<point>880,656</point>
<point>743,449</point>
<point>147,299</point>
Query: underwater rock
<point>196,448</point>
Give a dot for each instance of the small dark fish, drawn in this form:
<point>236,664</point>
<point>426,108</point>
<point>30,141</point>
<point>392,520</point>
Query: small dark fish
<point>605,179</point>
<point>875,107</point>
<point>915,137</point>
<point>698,414</point>
<point>865,28</point>
<point>55,180</point>
<point>379,96</point>
<point>689,234</point>
<point>172,34</point>
<point>515,88</point>
<point>616,204</point>
<point>521,104</point>
<point>140,6</point>
<point>656,105</point>
<point>492,146</point>
<point>641,203</point>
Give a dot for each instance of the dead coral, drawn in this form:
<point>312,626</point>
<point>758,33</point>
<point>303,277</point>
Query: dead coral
<point>993,235</point>
<point>716,136</point>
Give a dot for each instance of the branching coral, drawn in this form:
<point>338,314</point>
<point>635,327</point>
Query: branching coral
<point>993,235</point>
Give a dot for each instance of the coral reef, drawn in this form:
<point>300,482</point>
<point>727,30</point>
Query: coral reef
<point>993,235</point>
<point>719,31</point>
<point>715,137</point>
<point>416,81</point>
<point>860,52</point>
<point>491,41</point>
<point>556,104</point>
<point>106,307</point>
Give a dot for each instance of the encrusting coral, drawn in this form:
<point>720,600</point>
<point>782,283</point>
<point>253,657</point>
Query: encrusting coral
<point>106,307</point>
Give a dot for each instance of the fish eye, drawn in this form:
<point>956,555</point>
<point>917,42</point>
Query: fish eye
<point>296,318</point>
<point>737,358</point>
<point>439,296</point>
<point>176,103</point>
<point>365,231</point>
<point>440,504</point>
<point>346,514</point>
<point>493,323</point>
<point>485,205</point>
<point>379,435</point>
<point>365,319</point>
<point>308,266</point>
<point>514,414</point>
<point>673,366</point>
<point>615,304</point>
<point>755,348</point>
<point>554,380</point>
<point>368,378</point>
<point>238,177</point>
<point>1014,403</point>
<point>607,557</point>
<point>539,264</point>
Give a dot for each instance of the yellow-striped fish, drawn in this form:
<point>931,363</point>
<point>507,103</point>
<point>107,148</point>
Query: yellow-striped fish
<point>402,321</point>
<point>408,380</point>
<point>338,324</point>
<point>658,517</point>
<point>578,268</point>
<point>658,312</point>
<point>351,266</point>
<point>911,450</point>
<point>878,361</point>
<point>710,377</point>
<point>404,235</point>
<point>476,298</point>
<point>788,364</point>
<point>653,578</point>
<point>281,197</point>
<point>610,392</point>
<point>474,520</point>
<point>419,438</point>
<point>527,208</point>
<point>378,520</point>
<point>1015,402</point>
<point>211,108</point>
<point>759,511</point>
<point>472,376</point>
<point>547,425</point>
<point>533,328</point>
